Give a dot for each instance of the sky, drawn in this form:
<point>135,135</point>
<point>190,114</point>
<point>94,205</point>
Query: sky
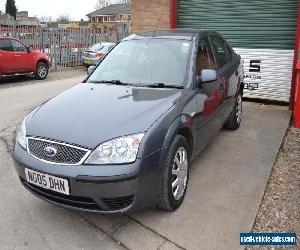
<point>76,9</point>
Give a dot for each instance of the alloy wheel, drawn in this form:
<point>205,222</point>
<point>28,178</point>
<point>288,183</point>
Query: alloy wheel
<point>239,109</point>
<point>179,173</point>
<point>42,71</point>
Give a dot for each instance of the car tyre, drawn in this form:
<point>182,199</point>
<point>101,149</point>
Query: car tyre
<point>172,170</point>
<point>41,71</point>
<point>234,120</point>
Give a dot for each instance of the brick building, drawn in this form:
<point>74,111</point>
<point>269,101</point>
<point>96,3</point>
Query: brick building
<point>145,15</point>
<point>108,16</point>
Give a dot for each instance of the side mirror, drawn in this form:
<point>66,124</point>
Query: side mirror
<point>29,49</point>
<point>208,75</point>
<point>90,69</point>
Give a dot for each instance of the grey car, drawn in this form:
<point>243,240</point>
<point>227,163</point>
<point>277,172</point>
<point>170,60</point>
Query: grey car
<point>93,55</point>
<point>123,139</point>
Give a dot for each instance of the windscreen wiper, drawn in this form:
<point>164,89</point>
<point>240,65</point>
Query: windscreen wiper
<point>163,85</point>
<point>115,82</point>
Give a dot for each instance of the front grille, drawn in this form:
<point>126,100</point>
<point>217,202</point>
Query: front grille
<point>65,153</point>
<point>73,201</point>
<point>118,203</point>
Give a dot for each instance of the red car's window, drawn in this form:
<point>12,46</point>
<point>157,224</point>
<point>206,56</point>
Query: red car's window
<point>18,46</point>
<point>5,45</point>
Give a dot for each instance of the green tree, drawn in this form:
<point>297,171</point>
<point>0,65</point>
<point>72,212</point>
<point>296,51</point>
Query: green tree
<point>10,8</point>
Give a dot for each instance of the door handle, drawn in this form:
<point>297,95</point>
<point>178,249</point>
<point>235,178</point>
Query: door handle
<point>17,55</point>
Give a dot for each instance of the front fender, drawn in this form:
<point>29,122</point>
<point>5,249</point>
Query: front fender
<point>181,122</point>
<point>38,58</point>
<point>161,136</point>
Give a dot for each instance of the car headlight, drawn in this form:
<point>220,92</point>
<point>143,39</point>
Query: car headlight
<point>21,135</point>
<point>116,151</point>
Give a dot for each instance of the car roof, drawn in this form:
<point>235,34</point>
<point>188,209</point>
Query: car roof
<point>181,33</point>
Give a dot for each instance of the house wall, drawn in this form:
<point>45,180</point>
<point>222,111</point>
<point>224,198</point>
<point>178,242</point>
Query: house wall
<point>145,15</point>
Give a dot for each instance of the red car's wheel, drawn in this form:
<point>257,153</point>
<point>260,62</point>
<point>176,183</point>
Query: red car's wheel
<point>41,71</point>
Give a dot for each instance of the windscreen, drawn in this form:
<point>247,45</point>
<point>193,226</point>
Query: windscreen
<point>146,61</point>
<point>96,47</point>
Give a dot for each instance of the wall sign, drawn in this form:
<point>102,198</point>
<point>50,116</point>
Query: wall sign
<point>267,73</point>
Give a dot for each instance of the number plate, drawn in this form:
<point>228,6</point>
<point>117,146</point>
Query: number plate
<point>46,181</point>
<point>87,61</point>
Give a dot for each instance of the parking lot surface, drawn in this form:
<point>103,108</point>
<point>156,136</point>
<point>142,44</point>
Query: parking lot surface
<point>226,185</point>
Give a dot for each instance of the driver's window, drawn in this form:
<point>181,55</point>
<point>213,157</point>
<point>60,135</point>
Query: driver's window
<point>19,47</point>
<point>205,58</point>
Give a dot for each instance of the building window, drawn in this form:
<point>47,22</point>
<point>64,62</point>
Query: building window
<point>105,19</point>
<point>112,18</point>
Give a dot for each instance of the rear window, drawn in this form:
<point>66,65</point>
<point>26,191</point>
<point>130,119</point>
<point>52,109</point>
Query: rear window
<point>6,45</point>
<point>96,47</point>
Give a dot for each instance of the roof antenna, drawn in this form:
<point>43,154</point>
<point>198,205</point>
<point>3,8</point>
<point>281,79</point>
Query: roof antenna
<point>158,22</point>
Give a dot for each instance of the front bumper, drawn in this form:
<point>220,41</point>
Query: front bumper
<point>98,189</point>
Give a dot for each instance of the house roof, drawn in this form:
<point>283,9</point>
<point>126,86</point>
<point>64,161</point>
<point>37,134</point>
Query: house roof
<point>114,9</point>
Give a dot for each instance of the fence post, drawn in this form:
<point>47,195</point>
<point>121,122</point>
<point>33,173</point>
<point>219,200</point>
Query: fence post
<point>55,50</point>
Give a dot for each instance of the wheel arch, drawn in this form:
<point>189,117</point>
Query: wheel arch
<point>187,134</point>
<point>182,125</point>
<point>43,60</point>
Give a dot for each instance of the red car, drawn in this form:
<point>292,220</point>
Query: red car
<point>17,58</point>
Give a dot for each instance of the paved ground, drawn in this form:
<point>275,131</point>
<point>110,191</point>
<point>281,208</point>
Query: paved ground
<point>225,189</point>
<point>280,207</point>
<point>13,81</point>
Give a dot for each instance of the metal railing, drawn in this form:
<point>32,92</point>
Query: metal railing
<point>65,46</point>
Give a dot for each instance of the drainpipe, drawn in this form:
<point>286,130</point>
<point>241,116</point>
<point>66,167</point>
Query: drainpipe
<point>295,91</point>
<point>297,98</point>
<point>173,13</point>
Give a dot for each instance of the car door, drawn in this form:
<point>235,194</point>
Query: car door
<point>24,58</point>
<point>7,57</point>
<point>227,70</point>
<point>209,115</point>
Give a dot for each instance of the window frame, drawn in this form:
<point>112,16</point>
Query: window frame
<point>225,49</point>
<point>229,50</point>
<point>208,43</point>
<point>105,19</point>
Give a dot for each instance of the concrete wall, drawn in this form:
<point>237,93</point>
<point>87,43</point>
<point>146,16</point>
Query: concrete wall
<point>22,18</point>
<point>145,15</point>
